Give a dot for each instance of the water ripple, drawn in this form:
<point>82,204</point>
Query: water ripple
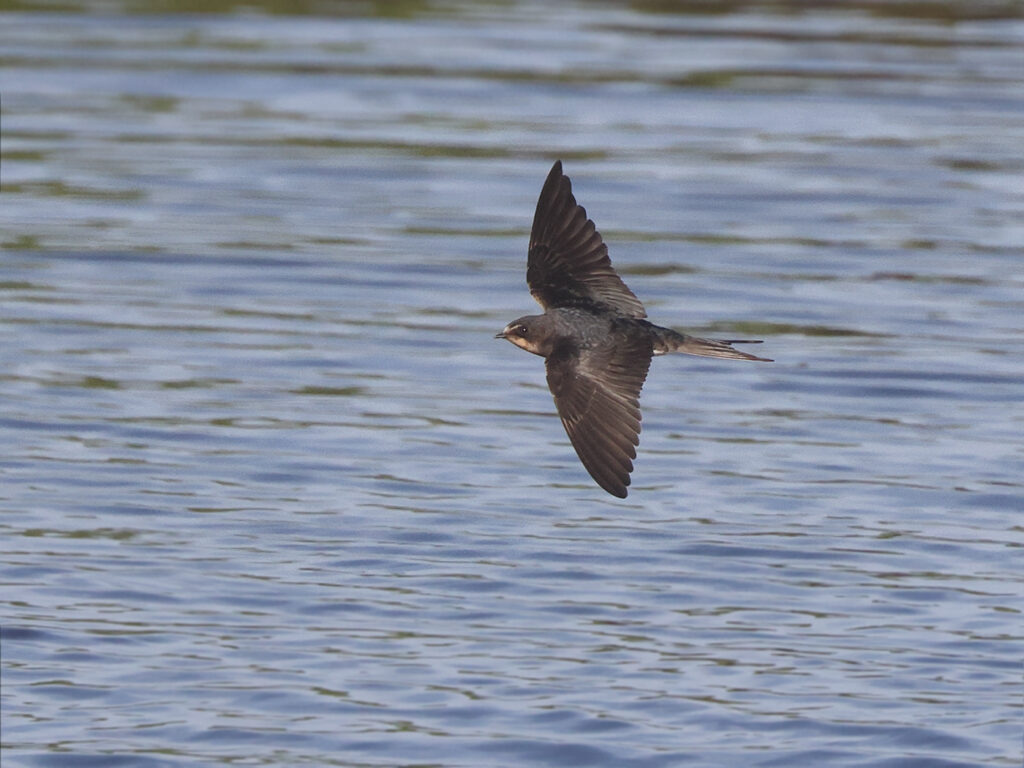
<point>273,494</point>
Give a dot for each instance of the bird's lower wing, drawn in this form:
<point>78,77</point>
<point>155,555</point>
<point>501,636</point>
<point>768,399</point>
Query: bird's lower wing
<point>597,396</point>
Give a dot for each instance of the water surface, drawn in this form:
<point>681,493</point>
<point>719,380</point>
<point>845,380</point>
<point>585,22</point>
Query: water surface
<point>272,494</point>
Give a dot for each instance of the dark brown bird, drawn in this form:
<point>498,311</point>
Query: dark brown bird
<point>594,339</point>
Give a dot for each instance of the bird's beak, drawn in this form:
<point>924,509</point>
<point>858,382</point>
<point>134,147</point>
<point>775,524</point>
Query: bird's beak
<point>501,335</point>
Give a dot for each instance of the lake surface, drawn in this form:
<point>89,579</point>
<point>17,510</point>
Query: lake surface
<point>272,494</point>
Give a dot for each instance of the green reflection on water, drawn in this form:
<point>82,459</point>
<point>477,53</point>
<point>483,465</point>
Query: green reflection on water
<point>381,8</point>
<point>936,11</point>
<point>777,329</point>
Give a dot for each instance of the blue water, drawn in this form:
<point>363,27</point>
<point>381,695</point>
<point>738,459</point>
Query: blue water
<point>272,493</point>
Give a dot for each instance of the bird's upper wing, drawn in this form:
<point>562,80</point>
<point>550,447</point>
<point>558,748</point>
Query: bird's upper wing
<point>568,262</point>
<point>596,392</point>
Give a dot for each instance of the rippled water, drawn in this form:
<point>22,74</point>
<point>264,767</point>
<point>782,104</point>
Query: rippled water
<point>272,494</point>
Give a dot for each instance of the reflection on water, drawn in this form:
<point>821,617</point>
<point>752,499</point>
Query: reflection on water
<point>273,494</point>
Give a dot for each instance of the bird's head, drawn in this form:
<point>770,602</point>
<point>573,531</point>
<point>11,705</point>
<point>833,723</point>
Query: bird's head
<point>532,333</point>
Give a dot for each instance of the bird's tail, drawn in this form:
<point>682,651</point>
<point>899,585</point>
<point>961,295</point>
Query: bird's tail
<point>666,340</point>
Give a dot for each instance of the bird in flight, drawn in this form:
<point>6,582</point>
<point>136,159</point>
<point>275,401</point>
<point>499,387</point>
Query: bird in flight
<point>593,336</point>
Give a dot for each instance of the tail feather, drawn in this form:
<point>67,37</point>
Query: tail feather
<point>668,340</point>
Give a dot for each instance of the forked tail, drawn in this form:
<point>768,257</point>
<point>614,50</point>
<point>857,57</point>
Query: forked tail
<point>666,340</point>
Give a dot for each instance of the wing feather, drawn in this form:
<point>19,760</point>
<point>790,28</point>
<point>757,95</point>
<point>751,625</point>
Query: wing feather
<point>568,262</point>
<point>597,394</point>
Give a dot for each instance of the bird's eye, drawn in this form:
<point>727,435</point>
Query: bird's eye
<point>521,330</point>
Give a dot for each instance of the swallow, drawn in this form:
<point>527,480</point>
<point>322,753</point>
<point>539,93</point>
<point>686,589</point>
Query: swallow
<point>594,337</point>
